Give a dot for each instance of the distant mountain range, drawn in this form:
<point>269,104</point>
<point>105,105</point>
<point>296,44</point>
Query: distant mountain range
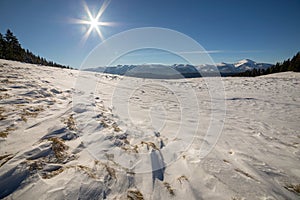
<point>181,70</point>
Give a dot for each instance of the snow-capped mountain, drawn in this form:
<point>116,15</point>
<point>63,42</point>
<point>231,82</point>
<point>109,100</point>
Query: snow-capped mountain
<point>246,64</point>
<point>186,70</point>
<point>228,68</point>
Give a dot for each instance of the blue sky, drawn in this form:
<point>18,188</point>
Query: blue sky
<point>265,31</point>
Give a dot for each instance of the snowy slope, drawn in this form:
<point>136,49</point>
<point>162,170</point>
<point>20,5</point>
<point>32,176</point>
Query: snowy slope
<point>61,139</point>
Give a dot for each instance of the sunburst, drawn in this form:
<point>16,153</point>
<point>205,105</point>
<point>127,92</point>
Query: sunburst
<point>94,22</point>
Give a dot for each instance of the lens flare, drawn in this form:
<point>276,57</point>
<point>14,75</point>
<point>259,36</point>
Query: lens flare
<point>94,23</point>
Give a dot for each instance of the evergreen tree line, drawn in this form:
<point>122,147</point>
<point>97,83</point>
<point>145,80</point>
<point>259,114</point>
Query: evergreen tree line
<point>287,65</point>
<point>11,49</point>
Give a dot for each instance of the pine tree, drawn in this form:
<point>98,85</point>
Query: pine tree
<point>13,47</point>
<point>2,46</point>
<point>296,63</point>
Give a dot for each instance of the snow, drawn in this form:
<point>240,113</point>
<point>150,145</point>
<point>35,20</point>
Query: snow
<point>63,138</point>
<point>245,61</point>
<point>226,68</point>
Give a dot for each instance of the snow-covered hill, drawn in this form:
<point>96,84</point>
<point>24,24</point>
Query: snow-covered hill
<point>184,69</point>
<point>246,64</point>
<point>240,66</point>
<point>63,138</point>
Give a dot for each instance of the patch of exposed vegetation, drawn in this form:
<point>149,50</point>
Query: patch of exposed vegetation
<point>244,173</point>
<point>52,174</point>
<point>116,127</point>
<point>5,132</point>
<point>111,171</point>
<point>70,122</point>
<point>104,124</point>
<point>134,195</point>
<point>4,96</point>
<point>58,147</point>
<point>150,144</point>
<point>169,188</point>
<point>86,170</point>
<point>129,148</point>
<point>182,178</point>
<point>31,112</point>
<point>35,165</point>
<point>5,158</point>
<point>293,188</point>
<point>2,116</point>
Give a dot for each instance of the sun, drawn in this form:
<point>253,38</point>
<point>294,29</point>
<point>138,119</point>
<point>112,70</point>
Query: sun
<point>94,23</point>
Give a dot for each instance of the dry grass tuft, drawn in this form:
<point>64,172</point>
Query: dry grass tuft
<point>130,149</point>
<point>169,188</point>
<point>97,162</point>
<point>182,178</point>
<point>31,112</point>
<point>35,165</point>
<point>134,195</point>
<point>86,170</point>
<point>52,174</point>
<point>244,173</point>
<point>150,144</point>
<point>4,96</point>
<point>5,158</point>
<point>293,188</point>
<point>116,128</point>
<point>2,110</point>
<point>70,122</point>
<point>111,171</point>
<point>4,133</point>
<point>58,147</point>
<point>104,124</point>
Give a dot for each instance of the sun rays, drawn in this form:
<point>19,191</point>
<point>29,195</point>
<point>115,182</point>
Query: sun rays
<point>94,23</point>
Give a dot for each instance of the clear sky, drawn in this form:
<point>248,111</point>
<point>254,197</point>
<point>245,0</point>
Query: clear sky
<point>262,30</point>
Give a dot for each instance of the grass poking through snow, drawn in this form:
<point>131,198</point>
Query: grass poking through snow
<point>70,122</point>
<point>58,147</point>
<point>4,133</point>
<point>169,188</point>
<point>244,173</point>
<point>293,188</point>
<point>134,195</point>
<point>182,178</point>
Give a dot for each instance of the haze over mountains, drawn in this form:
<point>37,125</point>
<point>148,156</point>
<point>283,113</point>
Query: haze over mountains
<point>186,70</point>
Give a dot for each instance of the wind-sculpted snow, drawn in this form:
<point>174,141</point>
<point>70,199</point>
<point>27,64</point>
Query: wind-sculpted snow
<point>61,140</point>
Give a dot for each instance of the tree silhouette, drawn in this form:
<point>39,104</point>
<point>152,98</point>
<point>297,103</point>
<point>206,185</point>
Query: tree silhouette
<point>11,49</point>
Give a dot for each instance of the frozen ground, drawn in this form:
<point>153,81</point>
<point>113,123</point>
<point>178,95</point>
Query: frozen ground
<point>54,146</point>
